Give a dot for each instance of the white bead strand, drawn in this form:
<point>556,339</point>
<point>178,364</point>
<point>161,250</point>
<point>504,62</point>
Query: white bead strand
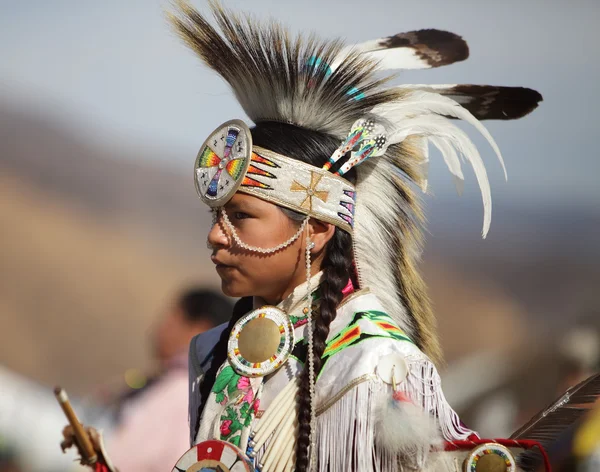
<point>311,360</point>
<point>261,250</point>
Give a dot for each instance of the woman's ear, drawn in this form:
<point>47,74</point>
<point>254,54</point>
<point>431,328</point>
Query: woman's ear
<point>320,234</point>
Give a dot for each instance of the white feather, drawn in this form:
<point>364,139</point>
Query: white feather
<point>398,58</point>
<point>441,89</point>
<point>406,430</point>
<point>452,160</point>
<point>423,114</point>
<point>442,129</point>
<point>423,145</point>
<point>424,103</point>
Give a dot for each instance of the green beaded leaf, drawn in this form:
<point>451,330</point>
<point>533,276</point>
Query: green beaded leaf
<point>223,379</point>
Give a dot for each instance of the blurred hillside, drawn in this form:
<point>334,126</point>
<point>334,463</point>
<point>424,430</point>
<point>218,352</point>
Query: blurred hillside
<point>91,251</point>
<point>94,243</point>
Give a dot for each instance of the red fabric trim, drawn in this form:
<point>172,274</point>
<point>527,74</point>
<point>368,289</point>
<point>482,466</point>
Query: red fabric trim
<point>99,467</point>
<point>522,443</point>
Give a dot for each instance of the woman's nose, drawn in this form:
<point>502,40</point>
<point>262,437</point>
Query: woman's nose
<point>217,236</point>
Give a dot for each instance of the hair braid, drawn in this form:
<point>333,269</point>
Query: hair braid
<point>337,270</point>
<point>242,306</point>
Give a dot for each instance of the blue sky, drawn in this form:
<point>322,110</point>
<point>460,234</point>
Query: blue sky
<point>115,73</point>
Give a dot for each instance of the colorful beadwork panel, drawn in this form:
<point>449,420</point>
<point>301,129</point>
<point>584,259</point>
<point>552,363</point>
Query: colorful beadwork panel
<point>301,187</point>
<point>222,163</point>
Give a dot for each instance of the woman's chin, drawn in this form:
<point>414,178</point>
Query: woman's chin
<point>232,289</point>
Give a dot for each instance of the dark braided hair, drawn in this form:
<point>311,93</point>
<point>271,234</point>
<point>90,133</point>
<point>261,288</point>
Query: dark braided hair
<point>313,148</point>
<point>337,270</point>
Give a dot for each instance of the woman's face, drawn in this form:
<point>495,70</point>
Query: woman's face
<point>246,273</point>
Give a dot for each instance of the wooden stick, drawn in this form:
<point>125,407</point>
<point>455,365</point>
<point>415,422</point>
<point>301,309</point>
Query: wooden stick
<point>83,440</point>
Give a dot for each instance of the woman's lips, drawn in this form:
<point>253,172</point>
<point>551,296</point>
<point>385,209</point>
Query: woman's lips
<point>219,265</point>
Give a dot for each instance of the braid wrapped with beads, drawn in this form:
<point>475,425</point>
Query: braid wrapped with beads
<point>337,270</point>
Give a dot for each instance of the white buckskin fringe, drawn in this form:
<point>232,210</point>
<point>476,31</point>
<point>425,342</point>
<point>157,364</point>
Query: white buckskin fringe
<point>346,432</point>
<point>424,387</point>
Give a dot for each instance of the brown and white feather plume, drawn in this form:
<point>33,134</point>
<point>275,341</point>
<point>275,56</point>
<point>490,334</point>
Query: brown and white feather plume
<point>422,49</point>
<point>487,102</point>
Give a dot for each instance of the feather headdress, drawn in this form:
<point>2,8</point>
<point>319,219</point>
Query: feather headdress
<point>326,87</point>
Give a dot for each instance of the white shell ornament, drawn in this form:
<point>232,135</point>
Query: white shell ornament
<point>490,457</point>
<point>214,455</point>
<point>260,342</point>
<point>392,368</point>
<point>222,163</point>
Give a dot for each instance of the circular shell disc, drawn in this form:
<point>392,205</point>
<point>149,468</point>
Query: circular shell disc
<point>222,163</point>
<point>260,342</point>
<point>213,456</point>
<point>490,457</point>
<point>392,368</point>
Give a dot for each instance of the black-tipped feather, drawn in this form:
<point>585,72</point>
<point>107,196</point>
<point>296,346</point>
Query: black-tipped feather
<point>421,49</point>
<point>435,47</point>
<point>488,102</point>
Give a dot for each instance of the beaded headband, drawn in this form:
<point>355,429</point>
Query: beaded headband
<point>228,162</point>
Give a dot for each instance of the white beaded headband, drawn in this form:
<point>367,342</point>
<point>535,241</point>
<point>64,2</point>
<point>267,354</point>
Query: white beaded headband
<point>228,162</point>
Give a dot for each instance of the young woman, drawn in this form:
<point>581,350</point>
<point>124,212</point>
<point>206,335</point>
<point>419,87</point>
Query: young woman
<point>329,360</point>
<point>328,363</point>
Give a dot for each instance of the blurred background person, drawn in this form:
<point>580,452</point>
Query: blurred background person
<point>151,422</point>
<point>8,459</point>
<point>144,419</point>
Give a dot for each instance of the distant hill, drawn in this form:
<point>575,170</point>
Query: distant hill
<point>92,248</point>
<point>129,192</point>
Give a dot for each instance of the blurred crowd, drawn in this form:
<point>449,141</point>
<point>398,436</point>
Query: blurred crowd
<point>144,421</point>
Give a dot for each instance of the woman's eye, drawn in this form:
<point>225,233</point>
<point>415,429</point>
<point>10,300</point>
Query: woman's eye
<point>240,215</point>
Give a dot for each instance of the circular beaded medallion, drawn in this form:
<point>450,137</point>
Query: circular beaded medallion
<point>490,457</point>
<point>261,342</point>
<point>213,456</point>
<point>222,162</point>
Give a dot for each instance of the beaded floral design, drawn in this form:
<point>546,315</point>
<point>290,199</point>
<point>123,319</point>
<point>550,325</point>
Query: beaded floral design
<point>239,414</point>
